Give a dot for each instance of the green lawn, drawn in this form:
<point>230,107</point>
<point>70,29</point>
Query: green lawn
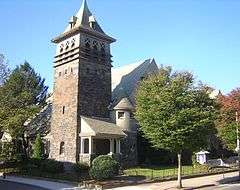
<point>171,171</point>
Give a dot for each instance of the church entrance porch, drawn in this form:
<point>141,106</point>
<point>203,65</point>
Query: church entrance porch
<point>91,147</point>
<point>99,137</point>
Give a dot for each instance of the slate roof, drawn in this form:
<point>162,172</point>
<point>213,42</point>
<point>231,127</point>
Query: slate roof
<point>125,79</point>
<point>124,104</point>
<point>101,127</point>
<point>41,123</point>
<point>84,17</point>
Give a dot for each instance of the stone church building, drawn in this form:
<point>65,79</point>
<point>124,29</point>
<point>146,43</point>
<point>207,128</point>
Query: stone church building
<point>88,118</point>
<point>91,111</point>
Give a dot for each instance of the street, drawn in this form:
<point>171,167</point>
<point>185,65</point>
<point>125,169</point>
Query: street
<point>6,185</point>
<point>224,187</point>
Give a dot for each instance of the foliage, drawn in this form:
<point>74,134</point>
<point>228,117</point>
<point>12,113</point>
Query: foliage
<point>4,70</point>
<point>10,152</point>
<point>38,148</point>
<point>226,122</point>
<point>7,149</point>
<point>228,134</point>
<point>44,165</point>
<point>104,167</point>
<point>51,166</point>
<point>81,167</point>
<point>174,113</point>
<point>194,160</point>
<point>21,97</point>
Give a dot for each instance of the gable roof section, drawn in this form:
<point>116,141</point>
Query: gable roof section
<point>125,79</point>
<point>101,127</point>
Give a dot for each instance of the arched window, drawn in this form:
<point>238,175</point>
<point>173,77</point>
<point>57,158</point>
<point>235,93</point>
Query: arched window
<point>67,45</point>
<point>87,46</point>
<point>73,42</point>
<point>62,148</point>
<point>61,48</point>
<point>95,48</point>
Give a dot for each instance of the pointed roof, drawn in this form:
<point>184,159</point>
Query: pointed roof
<point>83,21</point>
<point>83,14</point>
<point>84,17</point>
<point>124,104</point>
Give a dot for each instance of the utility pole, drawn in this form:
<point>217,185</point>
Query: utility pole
<point>238,148</point>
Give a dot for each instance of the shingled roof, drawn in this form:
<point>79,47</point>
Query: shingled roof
<point>124,104</point>
<point>101,127</point>
<point>125,79</point>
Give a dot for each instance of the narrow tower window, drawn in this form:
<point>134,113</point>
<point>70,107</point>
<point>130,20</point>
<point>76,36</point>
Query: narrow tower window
<point>63,110</point>
<point>62,148</point>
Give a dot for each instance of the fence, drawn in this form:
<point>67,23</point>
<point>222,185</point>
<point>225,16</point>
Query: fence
<point>163,173</point>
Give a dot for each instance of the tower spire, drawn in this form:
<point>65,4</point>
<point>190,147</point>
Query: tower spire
<point>83,14</point>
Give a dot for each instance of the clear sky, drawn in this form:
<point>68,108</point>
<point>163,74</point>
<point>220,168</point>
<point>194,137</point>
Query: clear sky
<point>201,36</point>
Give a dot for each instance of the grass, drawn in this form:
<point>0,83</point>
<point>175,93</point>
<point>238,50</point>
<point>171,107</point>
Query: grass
<point>170,171</point>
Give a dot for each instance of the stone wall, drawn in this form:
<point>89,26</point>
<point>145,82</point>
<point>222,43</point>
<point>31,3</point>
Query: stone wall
<point>94,89</point>
<point>64,126</point>
<point>129,149</point>
<point>82,86</point>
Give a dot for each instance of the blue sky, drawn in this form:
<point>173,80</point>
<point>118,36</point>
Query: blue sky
<point>201,36</point>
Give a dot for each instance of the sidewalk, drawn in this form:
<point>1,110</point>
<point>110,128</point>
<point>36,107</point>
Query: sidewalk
<point>39,183</point>
<point>188,184</point>
<point>193,183</point>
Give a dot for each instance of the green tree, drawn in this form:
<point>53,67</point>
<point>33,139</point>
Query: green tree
<point>174,113</point>
<point>228,135</point>
<point>21,97</point>
<point>38,148</point>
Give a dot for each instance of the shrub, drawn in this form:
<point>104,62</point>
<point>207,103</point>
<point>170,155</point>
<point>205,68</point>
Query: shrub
<point>104,167</point>
<point>51,166</point>
<point>81,167</point>
<point>38,149</point>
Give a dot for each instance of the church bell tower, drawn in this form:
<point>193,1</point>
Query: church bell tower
<point>82,81</point>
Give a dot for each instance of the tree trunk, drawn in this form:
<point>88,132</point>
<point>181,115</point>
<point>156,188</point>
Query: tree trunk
<point>179,182</point>
<point>24,147</point>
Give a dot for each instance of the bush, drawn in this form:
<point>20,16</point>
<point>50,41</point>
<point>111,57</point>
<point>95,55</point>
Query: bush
<point>51,166</point>
<point>81,167</point>
<point>104,167</point>
<point>38,148</point>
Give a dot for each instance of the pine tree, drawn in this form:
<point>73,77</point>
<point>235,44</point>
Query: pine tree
<point>22,95</point>
<point>38,148</point>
